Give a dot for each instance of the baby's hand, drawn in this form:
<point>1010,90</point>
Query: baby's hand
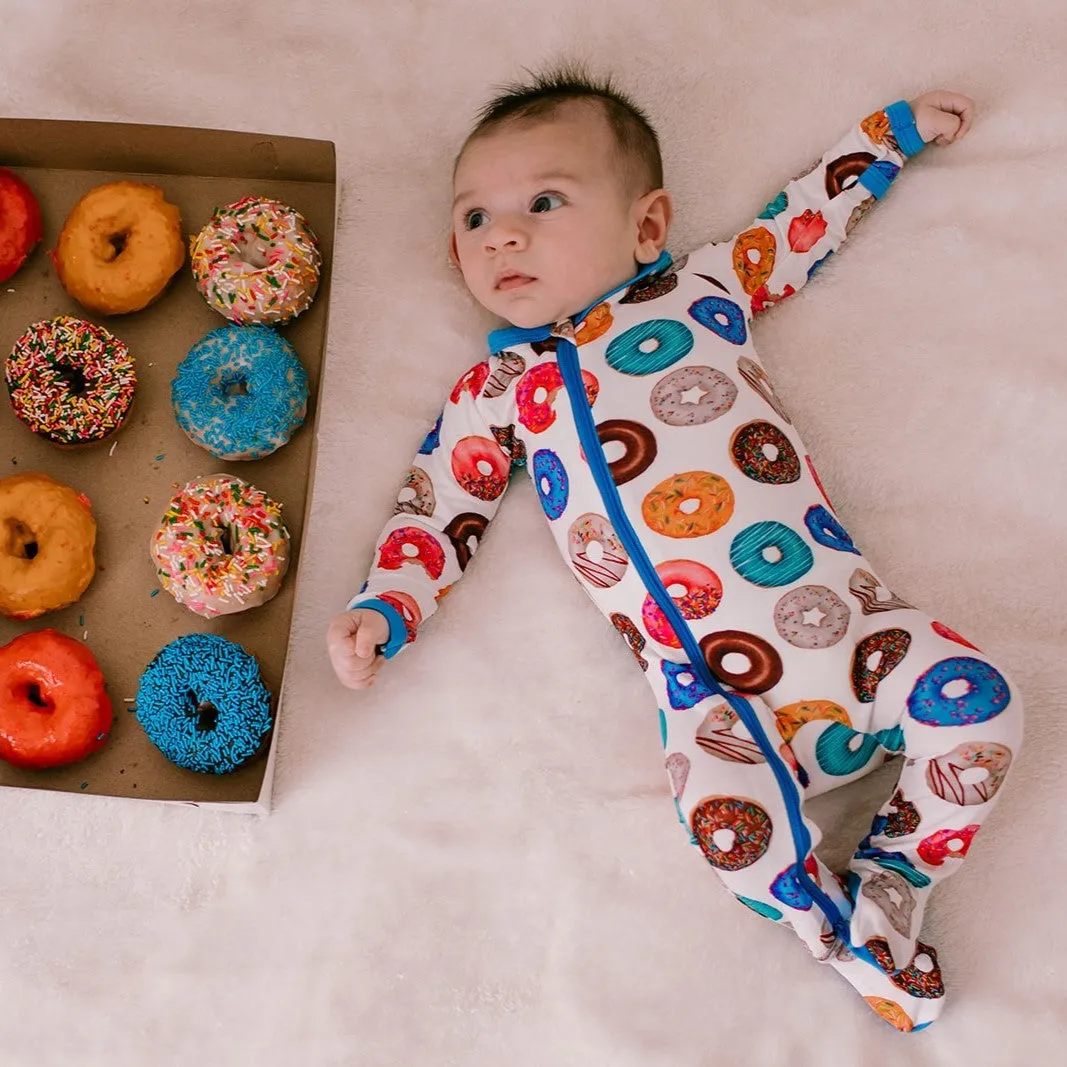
<point>942,116</point>
<point>352,640</point>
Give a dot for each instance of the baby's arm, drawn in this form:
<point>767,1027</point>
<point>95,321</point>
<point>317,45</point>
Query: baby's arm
<point>450,494</point>
<point>774,256</point>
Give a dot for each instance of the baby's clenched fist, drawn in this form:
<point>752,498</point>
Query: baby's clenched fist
<point>352,641</point>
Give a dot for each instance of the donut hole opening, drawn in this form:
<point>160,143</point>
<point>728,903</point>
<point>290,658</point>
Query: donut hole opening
<point>923,963</point>
<point>117,242</point>
<point>973,775</point>
<point>614,451</point>
<point>29,550</point>
<point>540,395</point>
<point>770,452</point>
<point>406,495</point>
<point>894,895</point>
<point>854,743</point>
<point>724,839</point>
<point>71,377</point>
<point>205,713</point>
<point>958,687</point>
<point>409,550</point>
<point>676,590</point>
<point>226,540</point>
<point>649,345</point>
<point>254,253</point>
<point>685,678</point>
<point>721,318</point>
<point>235,387</point>
<point>736,663</point>
<point>485,468</point>
<point>753,255</point>
<point>693,395</point>
<point>689,505</point>
<point>36,698</point>
<point>955,845</point>
<point>594,551</point>
<point>772,554</point>
<point>873,660</point>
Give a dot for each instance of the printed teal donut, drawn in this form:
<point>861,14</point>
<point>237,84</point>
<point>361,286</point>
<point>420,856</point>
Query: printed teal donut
<point>749,554</point>
<point>986,696</point>
<point>826,530</point>
<point>650,347</point>
<point>768,911</point>
<point>835,754</point>
<point>724,318</point>
<point>553,485</point>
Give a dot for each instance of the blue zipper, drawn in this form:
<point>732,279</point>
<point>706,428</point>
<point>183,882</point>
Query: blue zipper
<point>567,355</point>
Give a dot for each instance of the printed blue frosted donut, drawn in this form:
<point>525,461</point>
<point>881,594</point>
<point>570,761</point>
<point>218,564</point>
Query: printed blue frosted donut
<point>770,554</point>
<point>683,695</point>
<point>986,695</point>
<point>203,704</point>
<point>433,438</point>
<point>553,485</point>
<point>724,318</point>
<point>827,531</point>
<point>240,393</point>
<point>649,347</point>
<point>841,750</point>
<point>787,888</point>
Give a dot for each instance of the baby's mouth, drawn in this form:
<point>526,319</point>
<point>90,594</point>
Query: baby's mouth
<point>513,280</point>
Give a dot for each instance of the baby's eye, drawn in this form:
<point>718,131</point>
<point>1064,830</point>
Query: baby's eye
<point>475,218</point>
<point>546,202</point>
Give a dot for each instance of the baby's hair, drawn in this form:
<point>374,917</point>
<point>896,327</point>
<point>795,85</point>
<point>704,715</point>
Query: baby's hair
<point>548,91</point>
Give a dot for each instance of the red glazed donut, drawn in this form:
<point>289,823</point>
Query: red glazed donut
<point>480,467</point>
<point>20,223</point>
<point>54,708</point>
<point>409,544</point>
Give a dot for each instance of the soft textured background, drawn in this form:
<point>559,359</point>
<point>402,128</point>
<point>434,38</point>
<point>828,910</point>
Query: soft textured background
<point>479,861</point>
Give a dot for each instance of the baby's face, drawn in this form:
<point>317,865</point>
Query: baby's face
<point>543,222</point>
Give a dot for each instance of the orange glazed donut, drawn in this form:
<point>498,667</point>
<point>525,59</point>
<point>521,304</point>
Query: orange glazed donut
<point>47,536</point>
<point>119,247</point>
<point>54,708</point>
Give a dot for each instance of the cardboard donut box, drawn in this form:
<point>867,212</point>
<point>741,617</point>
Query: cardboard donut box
<point>124,616</point>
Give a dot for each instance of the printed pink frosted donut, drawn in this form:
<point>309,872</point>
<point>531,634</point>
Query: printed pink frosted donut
<point>480,467</point>
<point>408,608</point>
<point>409,544</point>
<point>471,382</point>
<point>942,630</point>
<point>946,844</point>
<point>605,566</point>
<point>536,393</point>
<point>702,591</point>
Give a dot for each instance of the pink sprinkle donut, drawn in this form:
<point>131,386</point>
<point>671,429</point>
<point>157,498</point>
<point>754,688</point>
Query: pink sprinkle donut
<point>606,566</point>
<point>536,393</point>
<point>480,467</point>
<point>946,844</point>
<point>700,596</point>
<point>471,382</point>
<point>409,544</point>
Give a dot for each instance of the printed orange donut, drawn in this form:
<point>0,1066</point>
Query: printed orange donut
<point>891,1011</point>
<point>691,504</point>
<point>480,467</point>
<point>597,323</point>
<point>699,595</point>
<point>793,716</point>
<point>754,252</point>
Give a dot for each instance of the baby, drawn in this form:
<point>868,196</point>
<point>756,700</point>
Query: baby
<point>682,498</point>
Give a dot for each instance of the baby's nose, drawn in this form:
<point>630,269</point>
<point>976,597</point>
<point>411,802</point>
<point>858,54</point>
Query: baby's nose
<point>505,234</point>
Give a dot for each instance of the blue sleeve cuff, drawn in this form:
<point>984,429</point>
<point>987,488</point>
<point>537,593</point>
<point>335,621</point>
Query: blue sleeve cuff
<point>878,177</point>
<point>398,631</point>
<point>902,123</point>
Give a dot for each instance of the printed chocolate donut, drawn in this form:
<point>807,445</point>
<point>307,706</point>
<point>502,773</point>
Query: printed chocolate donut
<point>461,531</point>
<point>764,670</point>
<point>844,168</point>
<point>720,736</point>
<point>653,286</point>
<point>872,595</point>
<point>749,826</point>
<point>903,817</point>
<point>416,496</point>
<point>811,616</point>
<point>763,453</point>
<point>757,378</point>
<point>891,645</point>
<point>944,775</point>
<point>915,981</point>
<point>639,448</point>
<point>631,635</point>
<point>692,396</point>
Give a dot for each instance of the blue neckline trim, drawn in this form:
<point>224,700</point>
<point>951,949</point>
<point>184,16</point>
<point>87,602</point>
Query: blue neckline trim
<point>519,335</point>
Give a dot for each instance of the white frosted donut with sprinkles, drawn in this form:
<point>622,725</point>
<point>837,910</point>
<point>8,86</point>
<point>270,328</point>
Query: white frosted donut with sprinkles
<point>257,261</point>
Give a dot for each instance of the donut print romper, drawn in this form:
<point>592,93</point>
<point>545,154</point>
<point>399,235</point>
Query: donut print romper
<point>682,498</point>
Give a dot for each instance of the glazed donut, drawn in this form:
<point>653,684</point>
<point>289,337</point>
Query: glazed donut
<point>723,317</point>
<point>792,717</point>
<point>649,347</point>
<point>653,286</point>
<point>505,369</point>
<point>942,630</point>
<point>986,694</point>
<point>749,450</point>
<point>791,617</point>
<point>915,982</point>
<point>946,845</point>
<point>891,1012</point>
<point>70,382</point>
<point>893,896</point>
<point>667,508</point>
<point>844,169</point>
<point>596,324</point>
<point>416,495</point>
<point>754,252</point>
<point>892,645</point>
<point>203,704</point>
<point>471,382</point>
<point>536,412</point>
<point>841,751</point>
<point>551,481</point>
<point>943,775</point>
<point>684,689</point>
<point>745,819</point>
<point>639,448</point>
<point>827,531</point>
<point>54,707</point>
<point>770,554</point>
<point>757,378</point>
<point>47,536</point>
<point>408,609</point>
<point>480,467</point>
<point>668,397</point>
<point>465,532</point>
<point>412,544</point>
<point>120,246</point>
<point>718,735</point>
<point>20,223</point>
<point>608,564</point>
<point>866,588</point>
<point>221,546</point>
<point>701,592</point>
<point>240,393</point>
<point>764,670</point>
<point>256,260</point>
<point>631,635</point>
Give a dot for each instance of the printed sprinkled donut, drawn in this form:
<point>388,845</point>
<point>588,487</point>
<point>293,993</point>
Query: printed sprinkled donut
<point>943,775</point>
<point>749,824</point>
<point>462,530</point>
<point>827,531</point>
<point>480,467</point>
<point>986,694</point>
<point>668,508</point>
<point>684,689</point>
<point>70,381</point>
<point>912,979</point>
<point>512,446</point>
<point>416,495</point>
<point>841,750</point>
<point>631,635</point>
<point>903,818</point>
<point>892,645</point>
<point>203,704</point>
<point>866,588</point>
<point>536,412</point>
<point>653,286</point>
<point>604,567</point>
<point>669,402</point>
<point>551,481</point>
<point>757,378</point>
<point>649,347</point>
<point>750,448</point>
<point>892,894</point>
<point>700,596</point>
<point>505,369</point>
<point>846,169</point>
<point>764,670</point>
<point>256,261</point>
<point>412,545</point>
<point>811,616</point>
<point>770,554</point>
<point>720,736</point>
<point>946,845</point>
<point>639,448</point>
<point>432,440</point>
<point>787,888</point>
<point>754,252</point>
<point>790,718</point>
<point>408,609</point>
<point>723,317</point>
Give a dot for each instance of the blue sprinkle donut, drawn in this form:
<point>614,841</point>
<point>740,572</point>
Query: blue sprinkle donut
<point>787,888</point>
<point>724,318</point>
<point>836,751</point>
<point>986,696</point>
<point>748,554</point>
<point>203,704</point>
<point>240,393</point>
<point>768,911</point>
<point>433,438</point>
<point>650,347</point>
<point>826,530</point>
<point>553,485</point>
<point>683,695</point>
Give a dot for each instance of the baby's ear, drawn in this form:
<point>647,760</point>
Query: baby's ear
<point>453,252</point>
<point>653,214</point>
